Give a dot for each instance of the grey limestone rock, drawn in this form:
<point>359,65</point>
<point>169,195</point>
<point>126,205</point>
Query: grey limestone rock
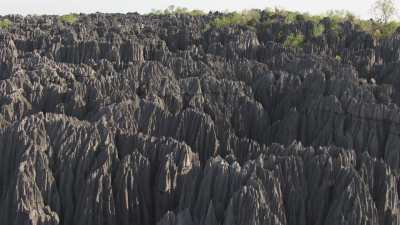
<point>128,119</point>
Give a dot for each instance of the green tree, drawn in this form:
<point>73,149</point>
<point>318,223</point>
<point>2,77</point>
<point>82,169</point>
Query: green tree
<point>384,10</point>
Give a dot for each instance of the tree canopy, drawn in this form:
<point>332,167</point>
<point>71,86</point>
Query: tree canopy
<point>384,10</point>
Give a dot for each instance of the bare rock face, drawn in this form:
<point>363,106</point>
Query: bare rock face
<point>156,120</point>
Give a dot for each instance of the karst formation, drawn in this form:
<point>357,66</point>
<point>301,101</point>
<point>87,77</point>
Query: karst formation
<point>129,119</point>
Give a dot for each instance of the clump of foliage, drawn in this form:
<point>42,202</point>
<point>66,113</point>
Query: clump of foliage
<point>5,24</point>
<point>383,27</point>
<point>338,16</point>
<point>294,40</point>
<point>388,29</point>
<point>384,10</point>
<point>377,29</point>
<point>313,18</point>
<point>338,58</point>
<point>196,12</point>
<point>172,10</point>
<point>246,17</point>
<point>262,21</point>
<point>290,17</point>
<point>318,30</point>
<point>69,18</point>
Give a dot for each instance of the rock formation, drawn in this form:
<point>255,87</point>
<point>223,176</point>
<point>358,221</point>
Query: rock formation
<point>128,119</point>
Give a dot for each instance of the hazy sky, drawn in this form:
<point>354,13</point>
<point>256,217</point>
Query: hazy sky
<point>359,7</point>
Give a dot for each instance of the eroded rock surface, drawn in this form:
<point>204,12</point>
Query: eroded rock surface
<point>156,120</point>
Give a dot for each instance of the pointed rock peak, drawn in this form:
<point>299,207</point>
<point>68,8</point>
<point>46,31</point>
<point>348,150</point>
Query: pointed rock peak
<point>169,218</point>
<point>210,218</point>
<point>184,218</point>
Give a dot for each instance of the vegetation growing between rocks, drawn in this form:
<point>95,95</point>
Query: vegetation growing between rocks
<point>339,16</point>
<point>318,30</point>
<point>262,20</point>
<point>69,18</point>
<point>5,24</point>
<point>172,10</point>
<point>142,110</point>
<point>294,40</point>
<point>246,17</point>
<point>377,29</point>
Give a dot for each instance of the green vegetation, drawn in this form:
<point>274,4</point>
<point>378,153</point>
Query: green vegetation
<point>318,30</point>
<point>261,21</point>
<point>172,10</point>
<point>69,18</point>
<point>378,30</point>
<point>253,19</point>
<point>388,29</point>
<point>196,12</point>
<point>338,16</point>
<point>294,40</point>
<point>338,58</point>
<point>5,24</point>
<point>246,17</point>
<point>290,17</point>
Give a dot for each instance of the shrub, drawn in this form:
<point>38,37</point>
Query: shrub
<point>338,16</point>
<point>247,17</point>
<point>252,19</point>
<point>294,40</point>
<point>368,26</point>
<point>378,30</point>
<point>172,10</point>
<point>196,12</point>
<point>176,10</point>
<point>70,18</point>
<point>318,30</point>
<point>388,29</point>
<point>313,18</point>
<point>5,24</point>
<point>338,58</point>
<point>289,16</point>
